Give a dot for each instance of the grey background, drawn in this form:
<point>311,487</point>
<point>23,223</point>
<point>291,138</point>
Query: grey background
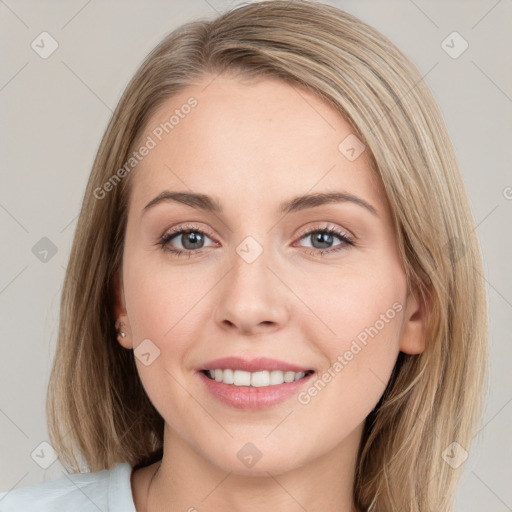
<point>55,110</point>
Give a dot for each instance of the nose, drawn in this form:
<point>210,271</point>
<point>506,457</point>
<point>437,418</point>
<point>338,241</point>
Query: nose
<point>252,299</point>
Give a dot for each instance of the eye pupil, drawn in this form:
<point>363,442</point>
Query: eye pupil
<point>322,238</point>
<point>192,238</point>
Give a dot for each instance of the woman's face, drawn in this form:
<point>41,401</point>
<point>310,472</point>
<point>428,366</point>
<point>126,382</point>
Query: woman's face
<point>315,286</point>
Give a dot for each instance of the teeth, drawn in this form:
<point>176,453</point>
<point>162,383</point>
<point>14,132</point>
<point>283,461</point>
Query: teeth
<point>228,376</point>
<point>254,379</point>
<point>289,376</point>
<point>240,378</point>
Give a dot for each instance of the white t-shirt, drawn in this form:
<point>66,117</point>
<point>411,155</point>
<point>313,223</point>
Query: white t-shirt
<point>107,490</point>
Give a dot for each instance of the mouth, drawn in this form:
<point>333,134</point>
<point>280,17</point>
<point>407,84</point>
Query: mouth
<point>258,379</point>
<point>255,384</point>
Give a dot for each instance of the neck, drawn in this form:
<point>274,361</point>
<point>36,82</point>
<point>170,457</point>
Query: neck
<point>188,481</point>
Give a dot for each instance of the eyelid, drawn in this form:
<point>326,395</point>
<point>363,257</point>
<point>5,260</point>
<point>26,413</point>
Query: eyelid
<point>187,227</point>
<point>326,226</point>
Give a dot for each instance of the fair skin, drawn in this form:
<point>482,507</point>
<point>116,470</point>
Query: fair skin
<point>252,146</point>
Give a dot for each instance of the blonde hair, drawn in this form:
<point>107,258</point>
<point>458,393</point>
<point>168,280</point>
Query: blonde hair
<point>96,403</point>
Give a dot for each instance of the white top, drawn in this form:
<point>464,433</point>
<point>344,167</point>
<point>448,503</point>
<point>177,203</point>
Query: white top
<point>107,490</point>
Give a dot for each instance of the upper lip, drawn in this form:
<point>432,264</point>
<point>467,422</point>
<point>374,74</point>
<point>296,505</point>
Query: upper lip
<point>253,365</point>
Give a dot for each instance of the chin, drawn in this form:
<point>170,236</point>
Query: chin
<point>258,458</point>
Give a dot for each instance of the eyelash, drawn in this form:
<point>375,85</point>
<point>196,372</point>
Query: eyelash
<point>167,237</point>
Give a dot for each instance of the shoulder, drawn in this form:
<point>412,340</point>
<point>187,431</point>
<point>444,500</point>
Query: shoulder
<point>107,490</point>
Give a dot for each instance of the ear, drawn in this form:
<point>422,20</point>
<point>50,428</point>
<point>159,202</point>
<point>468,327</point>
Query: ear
<point>413,336</point>
<point>122,322</point>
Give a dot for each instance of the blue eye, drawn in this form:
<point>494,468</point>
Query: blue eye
<point>192,240</point>
<point>190,237</point>
<point>322,236</point>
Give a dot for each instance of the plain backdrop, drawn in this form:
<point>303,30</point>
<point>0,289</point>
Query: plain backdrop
<point>54,111</point>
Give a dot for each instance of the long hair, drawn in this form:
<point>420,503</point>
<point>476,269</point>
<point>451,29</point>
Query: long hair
<point>96,405</point>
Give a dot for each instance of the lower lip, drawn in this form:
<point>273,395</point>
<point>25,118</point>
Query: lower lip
<point>248,397</point>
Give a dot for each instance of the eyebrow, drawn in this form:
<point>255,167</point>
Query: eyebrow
<point>210,204</point>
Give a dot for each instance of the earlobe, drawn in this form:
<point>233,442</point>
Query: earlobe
<point>413,337</point>
<point>123,335</point>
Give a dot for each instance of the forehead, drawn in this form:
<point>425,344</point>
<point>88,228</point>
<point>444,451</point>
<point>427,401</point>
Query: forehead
<point>250,143</point>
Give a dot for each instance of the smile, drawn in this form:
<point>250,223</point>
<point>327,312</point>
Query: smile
<point>255,379</point>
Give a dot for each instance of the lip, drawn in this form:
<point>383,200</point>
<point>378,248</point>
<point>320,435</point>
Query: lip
<point>248,397</point>
<point>253,365</point>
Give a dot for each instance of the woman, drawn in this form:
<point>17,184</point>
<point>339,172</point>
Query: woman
<point>273,299</point>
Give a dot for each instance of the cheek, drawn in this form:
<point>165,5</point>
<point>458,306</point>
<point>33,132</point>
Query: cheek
<point>351,303</point>
<point>365,310</point>
<point>362,316</point>
<point>162,308</point>
<point>159,299</point>
<point>168,307</point>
